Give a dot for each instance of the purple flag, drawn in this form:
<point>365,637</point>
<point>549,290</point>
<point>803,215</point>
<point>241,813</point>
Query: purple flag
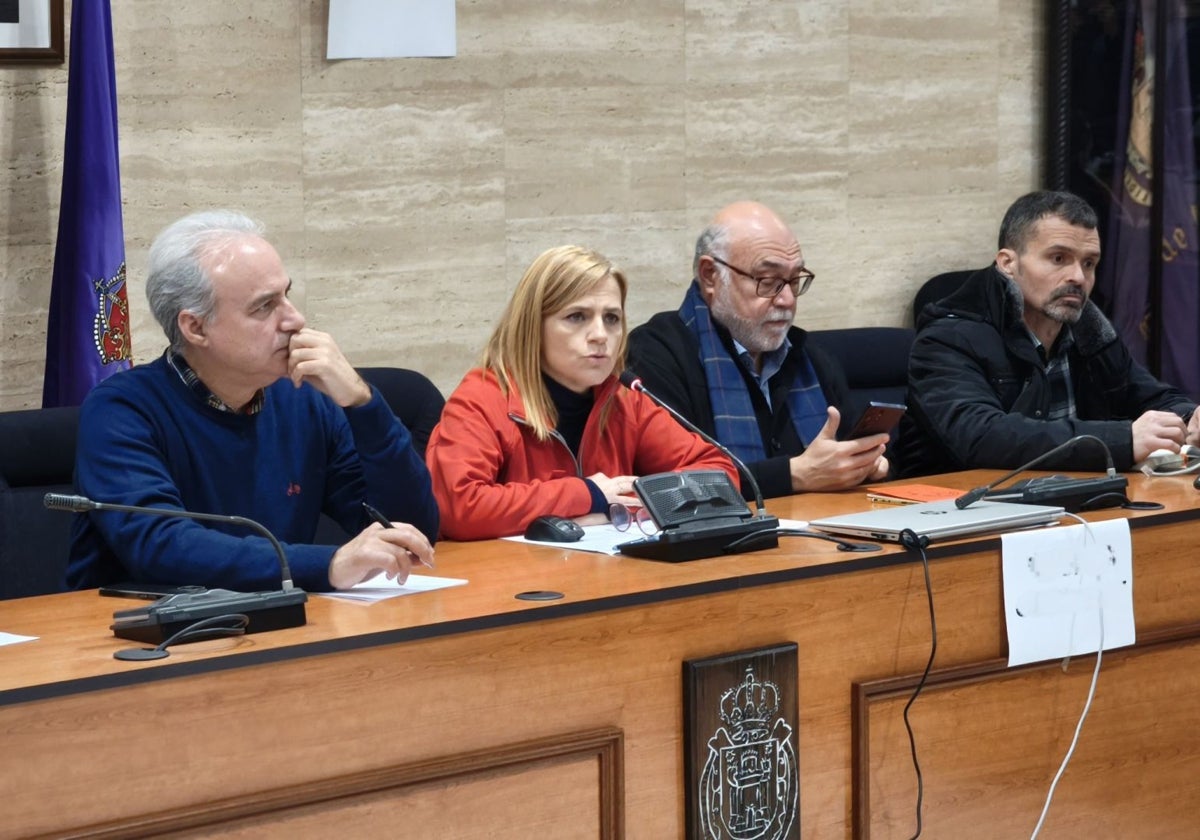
<point>1125,270</point>
<point>87,334</point>
<point>1180,325</point>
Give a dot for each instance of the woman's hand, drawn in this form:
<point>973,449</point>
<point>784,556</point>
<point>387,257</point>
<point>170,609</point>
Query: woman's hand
<point>618,489</point>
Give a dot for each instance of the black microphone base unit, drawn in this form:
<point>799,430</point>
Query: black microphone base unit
<point>165,617</point>
<point>1072,494</point>
<point>676,545</point>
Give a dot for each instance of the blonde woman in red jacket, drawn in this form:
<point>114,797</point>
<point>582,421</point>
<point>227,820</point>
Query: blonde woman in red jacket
<point>543,426</point>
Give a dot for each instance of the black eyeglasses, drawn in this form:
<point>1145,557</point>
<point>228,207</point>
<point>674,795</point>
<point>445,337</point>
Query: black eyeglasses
<point>769,287</point>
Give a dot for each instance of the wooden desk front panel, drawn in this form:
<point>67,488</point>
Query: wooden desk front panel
<point>98,755</point>
<point>492,806</point>
<point>991,745</point>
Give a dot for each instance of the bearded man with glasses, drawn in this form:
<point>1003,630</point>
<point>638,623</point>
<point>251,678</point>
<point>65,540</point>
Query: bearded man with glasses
<point>731,361</point>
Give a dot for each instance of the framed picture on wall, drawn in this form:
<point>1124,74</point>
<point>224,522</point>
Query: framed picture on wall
<point>31,32</point>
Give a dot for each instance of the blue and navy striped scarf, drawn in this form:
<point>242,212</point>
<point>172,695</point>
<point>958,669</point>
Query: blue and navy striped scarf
<point>733,412</point>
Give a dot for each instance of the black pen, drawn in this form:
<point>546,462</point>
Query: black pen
<point>376,516</point>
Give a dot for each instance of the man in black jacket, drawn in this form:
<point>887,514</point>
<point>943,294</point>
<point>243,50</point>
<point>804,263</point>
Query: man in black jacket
<point>1018,360</point>
<point>730,360</point>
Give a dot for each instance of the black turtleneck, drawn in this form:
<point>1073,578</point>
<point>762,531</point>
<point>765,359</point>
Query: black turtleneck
<point>573,410</point>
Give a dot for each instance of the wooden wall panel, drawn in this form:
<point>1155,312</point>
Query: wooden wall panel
<point>551,799</point>
<point>990,741</point>
<point>566,786</point>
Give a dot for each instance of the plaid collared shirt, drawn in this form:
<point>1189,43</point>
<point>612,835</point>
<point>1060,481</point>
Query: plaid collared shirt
<point>772,364</point>
<point>192,381</point>
<point>1057,367</point>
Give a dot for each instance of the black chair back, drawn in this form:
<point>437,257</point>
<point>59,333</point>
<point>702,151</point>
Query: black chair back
<point>37,456</point>
<point>413,398</point>
<point>936,288</point>
<point>874,359</point>
<point>416,401</point>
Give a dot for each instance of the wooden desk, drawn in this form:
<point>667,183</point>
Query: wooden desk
<point>468,713</point>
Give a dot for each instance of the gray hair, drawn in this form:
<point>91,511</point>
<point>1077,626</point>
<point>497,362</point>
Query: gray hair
<point>712,242</point>
<point>176,279</point>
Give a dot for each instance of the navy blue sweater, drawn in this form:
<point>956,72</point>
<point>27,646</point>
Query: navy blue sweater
<point>146,439</point>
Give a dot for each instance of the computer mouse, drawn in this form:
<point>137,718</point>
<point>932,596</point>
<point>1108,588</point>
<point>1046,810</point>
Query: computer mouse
<point>554,529</point>
<point>1196,483</point>
<point>1163,460</point>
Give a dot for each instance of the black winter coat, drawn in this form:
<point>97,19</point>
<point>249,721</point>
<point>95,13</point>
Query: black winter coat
<point>978,393</point>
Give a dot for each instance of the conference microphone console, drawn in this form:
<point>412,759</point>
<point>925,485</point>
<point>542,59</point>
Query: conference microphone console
<point>160,620</point>
<point>1073,494</point>
<point>710,538</point>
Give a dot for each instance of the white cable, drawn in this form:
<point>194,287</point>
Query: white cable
<point>1086,708</point>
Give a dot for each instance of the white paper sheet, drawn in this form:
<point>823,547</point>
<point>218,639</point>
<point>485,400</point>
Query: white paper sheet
<point>379,587</point>
<point>13,638</point>
<point>391,29</point>
<point>1066,587</point>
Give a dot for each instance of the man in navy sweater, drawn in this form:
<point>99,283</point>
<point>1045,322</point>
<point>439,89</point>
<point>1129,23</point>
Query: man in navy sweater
<point>248,413</point>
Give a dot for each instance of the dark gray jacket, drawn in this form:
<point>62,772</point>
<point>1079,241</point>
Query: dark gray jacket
<point>978,394</point>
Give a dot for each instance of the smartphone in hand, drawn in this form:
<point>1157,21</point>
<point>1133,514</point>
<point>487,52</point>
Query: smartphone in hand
<point>878,418</point>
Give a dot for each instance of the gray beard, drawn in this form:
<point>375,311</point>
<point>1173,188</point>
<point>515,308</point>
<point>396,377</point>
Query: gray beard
<point>1061,313</point>
<point>745,332</point>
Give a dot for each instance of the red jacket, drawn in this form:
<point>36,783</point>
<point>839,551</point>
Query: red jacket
<point>492,476</point>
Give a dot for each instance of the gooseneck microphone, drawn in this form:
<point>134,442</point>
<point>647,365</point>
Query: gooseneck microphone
<point>634,383</point>
<point>1111,483</point>
<point>82,504</point>
<point>171,615</point>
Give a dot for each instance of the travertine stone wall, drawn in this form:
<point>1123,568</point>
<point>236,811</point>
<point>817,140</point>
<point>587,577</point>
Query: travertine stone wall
<point>407,196</point>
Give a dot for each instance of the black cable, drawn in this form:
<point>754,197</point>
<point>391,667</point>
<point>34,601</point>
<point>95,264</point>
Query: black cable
<point>1129,504</point>
<point>1105,500</point>
<point>230,624</point>
<point>910,540</point>
<point>1114,499</point>
<point>843,545</point>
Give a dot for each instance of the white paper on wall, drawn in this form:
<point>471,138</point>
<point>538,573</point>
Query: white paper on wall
<point>391,29</point>
<point>1066,587</point>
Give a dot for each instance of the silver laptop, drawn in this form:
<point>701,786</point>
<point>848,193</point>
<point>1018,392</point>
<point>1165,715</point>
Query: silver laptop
<point>938,520</point>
